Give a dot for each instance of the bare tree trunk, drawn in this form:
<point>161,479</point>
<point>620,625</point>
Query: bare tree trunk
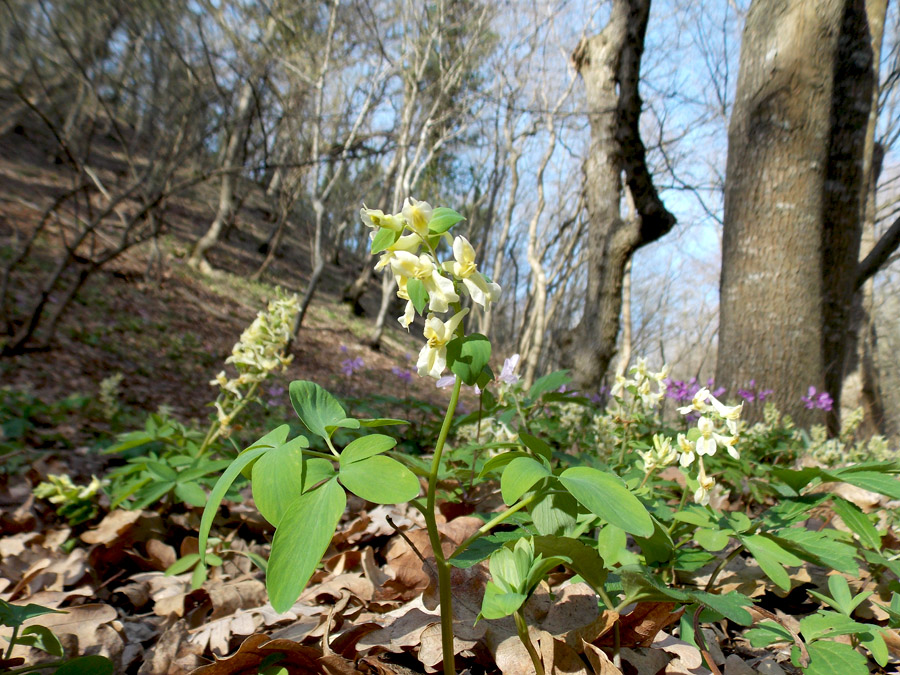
<point>243,116</point>
<point>610,64</point>
<point>771,286</point>
<point>861,382</point>
<point>792,199</point>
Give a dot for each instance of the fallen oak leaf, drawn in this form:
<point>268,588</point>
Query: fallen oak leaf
<point>295,658</point>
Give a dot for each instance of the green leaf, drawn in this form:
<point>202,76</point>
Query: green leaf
<point>442,219</point>
<point>840,593</point>
<point>858,523</point>
<point>766,633</point>
<point>16,615</point>
<point>819,548</point>
<point>468,356</point>
<point>300,541</point>
<point>273,439</point>
<point>319,411</point>
<point>550,382</point>
<point>277,479</point>
<point>191,493</point>
<point>41,637</point>
<point>499,461</point>
<point>605,495</point>
<point>318,469</point>
<point>555,514</point>
<point>876,482</point>
<point>87,665</point>
<point>383,238</point>
<point>498,603</point>
<point>366,446</point>
<point>730,605</point>
<point>874,642</point>
<point>536,445</point>
<point>712,540</point>
<point>582,559</point>
<point>380,479</point>
<point>658,547</point>
<point>519,477</point>
<point>221,487</point>
<point>797,480</point>
<point>771,557</point>
<point>827,624</point>
<point>695,515</point>
<point>380,421</point>
<point>417,293</point>
<point>151,493</point>
<point>183,564</point>
<point>162,471</point>
<point>827,658</point>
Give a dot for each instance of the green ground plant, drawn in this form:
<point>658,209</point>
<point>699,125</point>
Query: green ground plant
<point>588,488</point>
<point>42,638</point>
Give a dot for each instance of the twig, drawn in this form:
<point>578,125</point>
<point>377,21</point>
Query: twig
<point>700,639</point>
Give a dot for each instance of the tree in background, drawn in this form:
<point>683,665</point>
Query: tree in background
<point>794,200</point>
<point>610,64</point>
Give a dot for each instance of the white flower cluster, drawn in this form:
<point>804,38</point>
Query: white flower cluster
<point>59,489</point>
<point>641,385</point>
<point>718,426</point>
<point>412,260</point>
<point>259,351</point>
<point>487,430</point>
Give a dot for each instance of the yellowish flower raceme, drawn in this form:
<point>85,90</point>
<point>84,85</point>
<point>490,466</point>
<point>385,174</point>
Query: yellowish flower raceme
<point>433,357</point>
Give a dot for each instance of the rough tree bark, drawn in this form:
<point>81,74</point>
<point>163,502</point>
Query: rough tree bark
<point>793,198</point>
<point>609,63</point>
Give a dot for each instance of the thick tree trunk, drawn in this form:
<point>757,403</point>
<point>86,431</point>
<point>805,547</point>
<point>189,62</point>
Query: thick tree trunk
<point>845,189</point>
<point>610,63</point>
<point>861,386</point>
<point>770,326</point>
<point>792,199</point>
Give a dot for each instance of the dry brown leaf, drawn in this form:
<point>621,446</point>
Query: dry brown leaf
<point>114,526</point>
<point>599,661</point>
<point>559,658</point>
<point>574,610</point>
<point>639,627</point>
<point>645,661</point>
<point>509,653</point>
<point>686,656</point>
<point>735,665</point>
<point>162,556</point>
<point>297,659</point>
<point>403,628</point>
<point>159,659</point>
<point>431,651</point>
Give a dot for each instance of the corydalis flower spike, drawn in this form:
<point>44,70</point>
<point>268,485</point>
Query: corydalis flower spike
<point>433,357</point>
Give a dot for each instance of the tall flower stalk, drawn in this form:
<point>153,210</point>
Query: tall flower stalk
<point>408,244</point>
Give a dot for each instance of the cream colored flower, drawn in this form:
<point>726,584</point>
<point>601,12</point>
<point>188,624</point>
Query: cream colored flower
<point>433,357</point>
<point>706,444</point>
<point>465,269</point>
<point>376,218</point>
<point>417,215</point>
<point>698,403</point>
<point>441,291</point>
<point>409,243</point>
<point>701,494</point>
<point>686,450</point>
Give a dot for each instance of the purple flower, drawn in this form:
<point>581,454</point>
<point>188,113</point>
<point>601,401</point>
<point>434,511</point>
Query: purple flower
<point>508,373</point>
<point>446,381</point>
<point>821,400</point>
<point>763,394</point>
<point>350,366</point>
<point>404,374</point>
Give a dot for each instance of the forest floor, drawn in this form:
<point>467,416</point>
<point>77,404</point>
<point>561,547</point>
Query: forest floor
<point>370,608</point>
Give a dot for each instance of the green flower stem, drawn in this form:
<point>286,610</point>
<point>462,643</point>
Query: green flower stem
<point>684,495</point>
<point>522,630</point>
<point>443,567</point>
<point>12,642</point>
<point>731,556</point>
<point>491,524</point>
<point>35,667</point>
<point>215,429</point>
<point>316,453</point>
